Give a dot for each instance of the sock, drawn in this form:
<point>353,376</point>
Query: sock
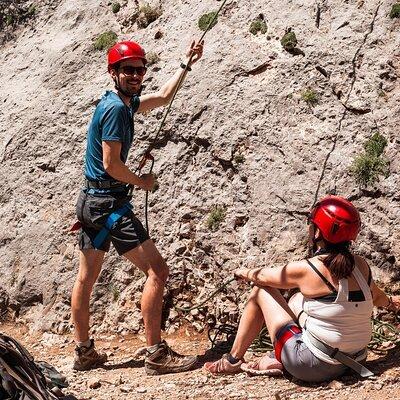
<point>232,359</point>
<point>86,343</point>
<point>152,349</point>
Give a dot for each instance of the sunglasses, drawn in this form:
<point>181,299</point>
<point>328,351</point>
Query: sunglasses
<point>131,70</point>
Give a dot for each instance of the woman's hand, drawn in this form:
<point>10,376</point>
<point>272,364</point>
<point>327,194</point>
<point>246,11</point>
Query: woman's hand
<point>394,304</point>
<point>195,52</point>
<point>242,274</point>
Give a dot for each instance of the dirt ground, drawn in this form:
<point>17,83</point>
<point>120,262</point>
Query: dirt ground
<point>123,377</point>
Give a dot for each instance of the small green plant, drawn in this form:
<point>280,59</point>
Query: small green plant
<point>368,166</point>
<point>115,7</point>
<point>289,41</point>
<point>205,20</point>
<point>105,40</point>
<point>395,11</point>
<point>216,216</point>
<point>310,97</point>
<point>367,169</point>
<point>258,25</point>
<point>152,58</point>
<point>31,11</point>
<point>113,288</point>
<point>147,15</point>
<point>239,159</point>
<point>14,12</point>
<point>381,93</point>
<point>375,145</point>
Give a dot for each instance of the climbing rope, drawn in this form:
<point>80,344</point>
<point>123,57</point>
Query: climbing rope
<point>212,295</point>
<point>146,155</point>
<point>385,336</point>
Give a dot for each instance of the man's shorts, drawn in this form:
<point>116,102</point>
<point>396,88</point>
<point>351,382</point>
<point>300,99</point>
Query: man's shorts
<point>93,210</point>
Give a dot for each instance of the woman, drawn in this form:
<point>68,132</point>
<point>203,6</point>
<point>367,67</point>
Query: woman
<point>328,320</point>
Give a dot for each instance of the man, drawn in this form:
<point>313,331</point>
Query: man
<point>105,201</point>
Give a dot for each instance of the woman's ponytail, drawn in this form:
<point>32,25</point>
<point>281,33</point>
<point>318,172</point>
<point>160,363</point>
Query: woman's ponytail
<point>339,261</point>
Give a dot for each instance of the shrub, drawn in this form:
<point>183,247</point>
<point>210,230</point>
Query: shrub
<point>113,288</point>
<point>115,7</point>
<point>216,216</point>
<point>395,11</point>
<point>239,159</point>
<point>31,11</point>
<point>105,40</point>
<point>375,145</point>
<point>147,15</point>
<point>152,58</point>
<point>367,167</point>
<point>310,97</point>
<point>13,12</point>
<point>289,41</point>
<point>258,25</point>
<point>205,20</point>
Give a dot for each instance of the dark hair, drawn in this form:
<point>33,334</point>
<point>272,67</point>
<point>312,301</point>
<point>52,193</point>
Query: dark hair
<point>339,261</point>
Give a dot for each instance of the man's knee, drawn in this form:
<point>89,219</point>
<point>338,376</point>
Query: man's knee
<point>159,271</point>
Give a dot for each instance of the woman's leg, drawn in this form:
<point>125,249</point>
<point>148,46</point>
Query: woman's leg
<point>275,309</point>
<point>249,326</point>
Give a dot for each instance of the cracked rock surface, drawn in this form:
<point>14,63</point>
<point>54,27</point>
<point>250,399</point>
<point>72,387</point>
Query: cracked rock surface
<point>239,136</point>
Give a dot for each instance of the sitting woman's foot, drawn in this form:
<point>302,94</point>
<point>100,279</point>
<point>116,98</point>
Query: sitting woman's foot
<point>265,365</point>
<point>223,366</point>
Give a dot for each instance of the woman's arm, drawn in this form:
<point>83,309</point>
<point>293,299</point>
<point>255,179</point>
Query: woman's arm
<point>287,277</point>
<point>381,299</point>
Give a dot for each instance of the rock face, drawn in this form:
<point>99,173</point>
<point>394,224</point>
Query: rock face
<point>239,136</point>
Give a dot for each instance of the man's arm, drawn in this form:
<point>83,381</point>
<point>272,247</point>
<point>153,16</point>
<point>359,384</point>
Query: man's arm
<point>119,171</point>
<point>164,95</point>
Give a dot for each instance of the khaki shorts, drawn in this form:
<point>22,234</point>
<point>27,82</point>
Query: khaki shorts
<point>93,210</point>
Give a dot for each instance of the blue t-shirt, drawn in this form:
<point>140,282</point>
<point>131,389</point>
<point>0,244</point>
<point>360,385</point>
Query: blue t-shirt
<point>112,121</point>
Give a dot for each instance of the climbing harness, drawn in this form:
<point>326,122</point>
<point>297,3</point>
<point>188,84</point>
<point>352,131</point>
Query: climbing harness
<point>147,154</point>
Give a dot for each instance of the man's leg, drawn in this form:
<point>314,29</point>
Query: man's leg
<point>149,260</point>
<point>90,262</point>
<point>160,359</point>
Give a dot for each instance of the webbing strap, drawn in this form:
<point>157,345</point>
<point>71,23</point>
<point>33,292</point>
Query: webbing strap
<point>327,283</point>
<point>108,226</point>
<point>341,357</point>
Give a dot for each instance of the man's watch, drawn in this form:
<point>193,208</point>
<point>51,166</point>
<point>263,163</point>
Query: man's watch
<point>186,67</point>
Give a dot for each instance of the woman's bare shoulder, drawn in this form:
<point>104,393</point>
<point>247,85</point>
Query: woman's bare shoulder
<point>361,264</point>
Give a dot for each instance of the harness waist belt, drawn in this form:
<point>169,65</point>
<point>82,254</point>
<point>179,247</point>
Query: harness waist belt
<point>104,184</point>
<point>343,358</point>
<point>286,335</point>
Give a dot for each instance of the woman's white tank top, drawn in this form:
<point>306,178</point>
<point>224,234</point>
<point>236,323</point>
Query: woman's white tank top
<point>342,324</point>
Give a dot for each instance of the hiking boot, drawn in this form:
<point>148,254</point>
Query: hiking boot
<point>88,357</point>
<point>164,360</point>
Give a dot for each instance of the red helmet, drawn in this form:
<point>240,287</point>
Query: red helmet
<point>337,219</point>
<point>125,51</point>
